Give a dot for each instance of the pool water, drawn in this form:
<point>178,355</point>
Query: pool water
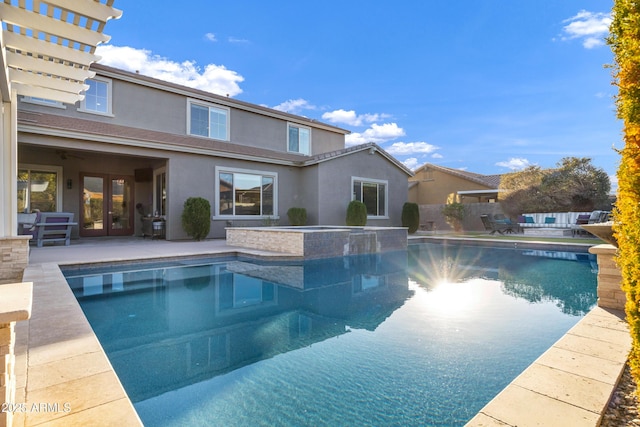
<point>423,337</point>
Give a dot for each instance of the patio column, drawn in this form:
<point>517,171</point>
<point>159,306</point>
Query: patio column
<point>610,293</point>
<point>9,168</point>
<point>14,249</point>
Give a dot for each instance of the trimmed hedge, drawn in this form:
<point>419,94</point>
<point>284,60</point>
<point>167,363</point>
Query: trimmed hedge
<point>196,217</point>
<point>356,214</point>
<point>411,216</point>
<point>297,216</point>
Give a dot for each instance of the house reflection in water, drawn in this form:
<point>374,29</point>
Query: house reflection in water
<point>170,327</point>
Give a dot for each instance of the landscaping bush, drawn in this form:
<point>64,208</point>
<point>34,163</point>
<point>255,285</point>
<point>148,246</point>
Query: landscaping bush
<point>411,216</point>
<point>297,216</point>
<point>454,214</point>
<point>196,217</point>
<point>356,214</point>
<point>624,40</point>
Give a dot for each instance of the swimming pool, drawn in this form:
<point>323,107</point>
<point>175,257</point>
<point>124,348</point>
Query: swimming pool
<point>425,336</point>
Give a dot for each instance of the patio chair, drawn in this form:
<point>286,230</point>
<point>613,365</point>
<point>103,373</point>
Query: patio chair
<point>493,226</point>
<point>54,227</point>
<point>27,223</point>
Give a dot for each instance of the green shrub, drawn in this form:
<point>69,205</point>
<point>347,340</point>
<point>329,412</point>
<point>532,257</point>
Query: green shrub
<point>411,216</point>
<point>453,215</point>
<point>297,216</point>
<point>624,44</point>
<point>196,217</point>
<point>356,213</point>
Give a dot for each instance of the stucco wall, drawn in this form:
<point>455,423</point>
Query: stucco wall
<point>436,187</point>
<point>431,217</point>
<point>335,186</point>
<point>154,109</point>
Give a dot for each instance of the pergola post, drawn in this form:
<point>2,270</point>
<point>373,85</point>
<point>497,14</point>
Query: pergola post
<point>9,168</point>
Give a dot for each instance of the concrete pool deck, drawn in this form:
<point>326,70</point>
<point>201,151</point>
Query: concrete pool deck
<point>59,359</point>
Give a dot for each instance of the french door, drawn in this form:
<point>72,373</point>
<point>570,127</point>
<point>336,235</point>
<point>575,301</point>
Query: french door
<point>106,205</point>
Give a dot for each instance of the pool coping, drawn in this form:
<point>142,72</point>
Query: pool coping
<point>57,354</point>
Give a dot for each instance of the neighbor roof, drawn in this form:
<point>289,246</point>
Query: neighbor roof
<point>491,181</point>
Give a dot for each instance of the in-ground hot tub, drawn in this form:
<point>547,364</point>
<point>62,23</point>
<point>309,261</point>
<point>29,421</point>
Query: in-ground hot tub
<point>319,241</point>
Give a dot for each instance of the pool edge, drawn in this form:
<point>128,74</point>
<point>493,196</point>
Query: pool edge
<point>35,273</point>
<point>569,384</point>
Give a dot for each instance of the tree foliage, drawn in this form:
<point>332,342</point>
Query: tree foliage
<point>624,40</point>
<point>575,184</point>
<point>454,214</point>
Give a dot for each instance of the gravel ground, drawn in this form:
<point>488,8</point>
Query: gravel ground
<point>623,408</point>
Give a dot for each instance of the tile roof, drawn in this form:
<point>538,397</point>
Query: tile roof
<point>355,149</point>
<point>75,128</point>
<point>491,181</point>
<point>51,124</point>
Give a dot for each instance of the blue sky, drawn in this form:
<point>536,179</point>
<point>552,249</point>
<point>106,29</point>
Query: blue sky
<point>481,85</point>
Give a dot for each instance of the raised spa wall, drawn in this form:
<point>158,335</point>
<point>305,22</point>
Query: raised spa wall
<point>319,241</point>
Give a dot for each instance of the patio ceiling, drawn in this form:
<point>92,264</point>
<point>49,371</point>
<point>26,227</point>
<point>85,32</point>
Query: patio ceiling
<point>47,46</point>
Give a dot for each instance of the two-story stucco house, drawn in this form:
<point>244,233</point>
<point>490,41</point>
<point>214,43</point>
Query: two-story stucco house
<point>137,146</point>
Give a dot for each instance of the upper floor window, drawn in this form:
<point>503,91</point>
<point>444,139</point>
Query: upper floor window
<point>208,121</point>
<point>43,101</point>
<point>373,193</point>
<point>97,99</point>
<point>299,139</point>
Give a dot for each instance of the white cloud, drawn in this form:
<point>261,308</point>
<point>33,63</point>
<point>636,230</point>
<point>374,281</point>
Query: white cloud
<point>294,106</point>
<point>351,118</point>
<point>213,78</point>
<point>437,156</point>
<point>211,37</point>
<point>232,39</point>
<point>411,163</point>
<point>590,27</point>
<point>376,133</point>
<point>514,163</point>
<point>407,148</point>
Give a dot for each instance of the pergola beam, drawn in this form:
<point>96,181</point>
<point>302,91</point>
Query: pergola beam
<point>40,47</point>
<point>36,22</point>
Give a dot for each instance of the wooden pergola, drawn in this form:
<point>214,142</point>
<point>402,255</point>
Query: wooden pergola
<point>46,48</point>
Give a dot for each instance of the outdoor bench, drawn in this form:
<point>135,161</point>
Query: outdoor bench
<point>559,223</point>
<point>54,227</point>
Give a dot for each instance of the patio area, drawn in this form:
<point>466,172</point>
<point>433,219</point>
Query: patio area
<point>59,359</point>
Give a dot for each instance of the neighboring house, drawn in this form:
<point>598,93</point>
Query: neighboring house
<point>433,184</point>
<point>137,145</point>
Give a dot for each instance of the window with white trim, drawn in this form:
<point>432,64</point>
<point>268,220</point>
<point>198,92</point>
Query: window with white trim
<point>373,193</point>
<point>43,101</point>
<point>299,139</point>
<point>97,99</point>
<point>39,187</point>
<point>208,120</point>
<point>247,193</point>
